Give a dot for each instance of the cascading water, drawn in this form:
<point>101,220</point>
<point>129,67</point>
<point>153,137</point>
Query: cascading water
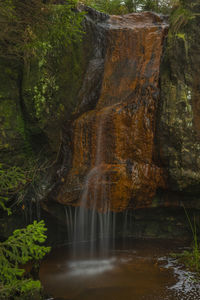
<point>93,222</point>
<point>113,134</point>
<point>96,229</point>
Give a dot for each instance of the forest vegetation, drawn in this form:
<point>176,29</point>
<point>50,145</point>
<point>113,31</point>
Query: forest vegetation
<point>39,30</point>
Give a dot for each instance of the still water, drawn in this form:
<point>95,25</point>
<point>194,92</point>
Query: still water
<point>132,270</point>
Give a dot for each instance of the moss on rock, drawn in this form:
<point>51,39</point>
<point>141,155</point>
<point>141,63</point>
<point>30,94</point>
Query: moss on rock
<point>179,121</point>
<point>13,139</point>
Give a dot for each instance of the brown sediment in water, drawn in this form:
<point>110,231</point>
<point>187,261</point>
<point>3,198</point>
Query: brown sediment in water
<point>131,271</point>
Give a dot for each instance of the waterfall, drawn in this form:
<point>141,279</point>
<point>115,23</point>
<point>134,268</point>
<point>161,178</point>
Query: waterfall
<point>90,226</point>
<point>69,222</point>
<point>96,229</point>
<point>112,139</point>
<point>93,222</point>
<point>90,223</point>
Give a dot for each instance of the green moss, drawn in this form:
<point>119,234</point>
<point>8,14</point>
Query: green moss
<point>50,92</point>
<point>180,18</point>
<point>181,36</point>
<point>179,92</point>
<point>14,142</point>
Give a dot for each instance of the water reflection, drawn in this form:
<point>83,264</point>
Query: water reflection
<point>90,267</point>
<point>129,272</point>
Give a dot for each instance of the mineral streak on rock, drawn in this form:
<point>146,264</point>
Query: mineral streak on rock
<point>113,143</point>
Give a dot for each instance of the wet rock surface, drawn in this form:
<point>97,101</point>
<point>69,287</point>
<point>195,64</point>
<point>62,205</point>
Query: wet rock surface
<point>128,134</point>
<point>113,143</point>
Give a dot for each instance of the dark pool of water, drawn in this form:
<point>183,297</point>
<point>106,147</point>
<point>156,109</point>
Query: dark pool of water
<point>135,270</point>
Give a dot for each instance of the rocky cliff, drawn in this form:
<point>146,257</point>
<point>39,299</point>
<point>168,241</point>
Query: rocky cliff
<point>179,120</point>
<point>123,130</point>
<point>113,143</point>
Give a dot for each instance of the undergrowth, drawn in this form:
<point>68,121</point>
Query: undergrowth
<point>191,258</point>
<point>22,246</point>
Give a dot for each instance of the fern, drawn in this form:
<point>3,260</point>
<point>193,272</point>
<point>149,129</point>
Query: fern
<point>18,249</point>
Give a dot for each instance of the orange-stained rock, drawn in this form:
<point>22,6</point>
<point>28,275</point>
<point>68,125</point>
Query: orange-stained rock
<point>113,143</point>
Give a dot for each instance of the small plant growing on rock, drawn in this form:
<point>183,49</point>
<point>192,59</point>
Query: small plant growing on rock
<point>191,258</point>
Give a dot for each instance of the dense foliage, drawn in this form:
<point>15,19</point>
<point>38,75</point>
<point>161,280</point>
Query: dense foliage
<point>34,34</point>
<point>17,250</point>
<point>62,30</point>
<point>129,6</point>
<point>28,27</point>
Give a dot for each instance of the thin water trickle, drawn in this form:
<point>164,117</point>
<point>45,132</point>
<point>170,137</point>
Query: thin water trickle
<point>89,225</point>
<point>93,220</point>
<point>69,223</point>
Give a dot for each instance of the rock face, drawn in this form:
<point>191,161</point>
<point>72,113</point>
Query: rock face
<point>179,117</point>
<point>113,133</point>
<point>124,126</point>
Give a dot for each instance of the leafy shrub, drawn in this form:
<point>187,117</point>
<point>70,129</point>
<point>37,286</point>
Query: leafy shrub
<point>119,7</point>
<point>112,7</point>
<point>18,249</point>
